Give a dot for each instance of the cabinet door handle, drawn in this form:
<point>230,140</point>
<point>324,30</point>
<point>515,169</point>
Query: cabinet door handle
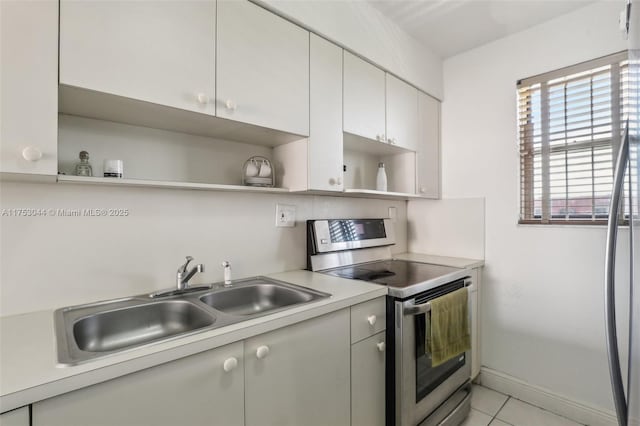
<point>392,141</point>
<point>262,352</point>
<point>31,153</point>
<point>230,364</point>
<point>380,137</point>
<point>381,346</point>
<point>423,189</point>
<point>202,99</point>
<point>231,106</point>
<point>371,319</point>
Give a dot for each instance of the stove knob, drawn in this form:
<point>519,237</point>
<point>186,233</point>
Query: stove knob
<point>371,319</point>
<point>380,346</point>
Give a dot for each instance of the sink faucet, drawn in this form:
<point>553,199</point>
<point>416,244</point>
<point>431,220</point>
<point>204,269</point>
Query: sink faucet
<point>183,277</point>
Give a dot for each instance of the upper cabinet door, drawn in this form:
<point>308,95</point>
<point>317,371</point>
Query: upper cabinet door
<point>29,87</point>
<point>263,68</point>
<point>156,51</point>
<point>364,103</point>
<point>402,114</point>
<point>325,139</point>
<point>428,156</point>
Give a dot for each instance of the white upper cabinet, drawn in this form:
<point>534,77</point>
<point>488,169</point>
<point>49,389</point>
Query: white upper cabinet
<point>325,139</point>
<point>263,68</point>
<point>364,98</point>
<point>155,51</point>
<point>29,87</point>
<point>402,114</point>
<point>428,155</point>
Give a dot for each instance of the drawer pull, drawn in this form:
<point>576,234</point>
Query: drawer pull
<point>230,364</point>
<point>262,352</point>
<point>381,346</point>
<point>202,99</point>
<point>31,153</point>
<point>371,319</point>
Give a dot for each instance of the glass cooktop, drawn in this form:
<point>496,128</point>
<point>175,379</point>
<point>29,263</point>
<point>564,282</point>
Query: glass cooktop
<point>394,273</point>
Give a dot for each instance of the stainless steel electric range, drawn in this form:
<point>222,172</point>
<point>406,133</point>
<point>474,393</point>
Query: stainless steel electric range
<point>416,392</point>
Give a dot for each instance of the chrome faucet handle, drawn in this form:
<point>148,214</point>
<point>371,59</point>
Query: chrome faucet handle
<point>183,268</point>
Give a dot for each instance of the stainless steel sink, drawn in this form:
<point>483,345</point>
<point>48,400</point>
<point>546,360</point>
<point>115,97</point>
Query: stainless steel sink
<point>133,326</point>
<point>257,296</point>
<point>94,330</point>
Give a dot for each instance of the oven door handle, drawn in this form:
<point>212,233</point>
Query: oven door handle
<point>411,308</point>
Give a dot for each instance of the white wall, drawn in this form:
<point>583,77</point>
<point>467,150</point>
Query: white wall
<point>447,227</point>
<point>542,307</point>
<point>365,30</point>
<point>51,262</point>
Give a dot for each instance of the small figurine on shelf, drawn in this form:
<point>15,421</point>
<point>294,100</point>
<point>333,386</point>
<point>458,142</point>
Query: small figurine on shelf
<point>83,168</point>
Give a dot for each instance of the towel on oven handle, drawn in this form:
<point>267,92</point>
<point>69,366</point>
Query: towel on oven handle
<point>449,334</point>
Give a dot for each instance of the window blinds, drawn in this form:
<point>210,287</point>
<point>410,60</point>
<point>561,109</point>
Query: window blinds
<point>570,122</point>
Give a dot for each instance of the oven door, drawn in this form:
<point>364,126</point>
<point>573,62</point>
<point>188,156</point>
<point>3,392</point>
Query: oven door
<point>421,388</point>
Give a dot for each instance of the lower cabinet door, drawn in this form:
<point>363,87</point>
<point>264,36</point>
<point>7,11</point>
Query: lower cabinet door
<point>299,375</point>
<point>194,391</point>
<point>17,417</point>
<point>367,381</point>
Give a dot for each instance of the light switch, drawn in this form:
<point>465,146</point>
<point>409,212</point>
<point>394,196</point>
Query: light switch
<point>285,215</point>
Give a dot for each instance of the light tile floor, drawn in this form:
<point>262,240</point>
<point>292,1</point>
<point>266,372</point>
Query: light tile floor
<point>489,407</point>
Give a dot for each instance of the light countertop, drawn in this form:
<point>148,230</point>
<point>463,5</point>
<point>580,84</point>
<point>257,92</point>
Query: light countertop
<point>29,371</point>
<point>28,360</point>
<point>454,262</point>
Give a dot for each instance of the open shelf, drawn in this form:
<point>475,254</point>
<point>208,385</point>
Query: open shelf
<point>165,184</point>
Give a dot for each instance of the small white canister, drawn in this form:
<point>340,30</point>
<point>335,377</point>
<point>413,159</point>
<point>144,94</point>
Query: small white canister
<point>113,168</point>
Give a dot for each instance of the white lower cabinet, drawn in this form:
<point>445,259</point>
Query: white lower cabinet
<point>299,375</point>
<point>368,381</point>
<point>17,417</point>
<point>304,374</point>
<point>194,391</point>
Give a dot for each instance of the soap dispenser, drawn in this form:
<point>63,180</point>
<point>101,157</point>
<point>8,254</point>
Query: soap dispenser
<point>227,273</point>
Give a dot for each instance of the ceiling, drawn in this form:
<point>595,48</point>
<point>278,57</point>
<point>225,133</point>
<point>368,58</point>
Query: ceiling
<point>450,27</point>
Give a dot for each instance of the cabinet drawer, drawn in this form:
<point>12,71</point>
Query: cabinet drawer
<point>367,319</point>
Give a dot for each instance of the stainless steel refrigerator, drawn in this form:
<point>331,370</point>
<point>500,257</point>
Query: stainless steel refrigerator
<point>625,207</point>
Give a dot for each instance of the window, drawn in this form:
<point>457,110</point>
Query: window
<point>570,124</point>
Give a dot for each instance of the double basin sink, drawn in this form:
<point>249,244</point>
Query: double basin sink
<point>87,332</point>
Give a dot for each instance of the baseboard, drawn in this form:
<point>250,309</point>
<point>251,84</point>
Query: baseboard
<point>546,399</point>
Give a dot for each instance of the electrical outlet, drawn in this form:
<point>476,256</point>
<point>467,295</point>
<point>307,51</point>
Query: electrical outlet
<point>285,216</point>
